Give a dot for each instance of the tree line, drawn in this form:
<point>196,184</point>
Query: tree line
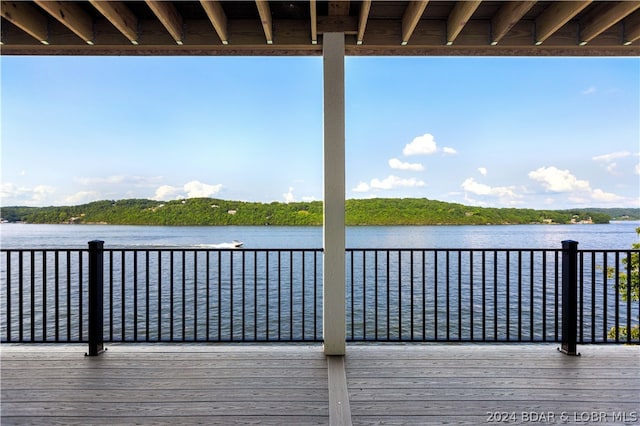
<point>376,211</point>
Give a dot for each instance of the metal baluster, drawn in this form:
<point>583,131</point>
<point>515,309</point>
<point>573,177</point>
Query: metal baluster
<point>159,252</point>
<point>544,295</point>
<point>531,296</point>
<point>147,295</point>
<point>617,293</point>
<point>267,324</point>
<point>435,294</point>
<point>122,295</point>
<point>9,297</point>
<point>255,295</point>
<point>605,268</point>
<point>57,294</point>
<point>519,295</point>
<point>448,298</point>
<point>471,294</point>
<point>291,292</point>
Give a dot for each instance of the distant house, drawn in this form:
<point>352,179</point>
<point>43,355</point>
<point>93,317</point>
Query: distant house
<point>576,219</point>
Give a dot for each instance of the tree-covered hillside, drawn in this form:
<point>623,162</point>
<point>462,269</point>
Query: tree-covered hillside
<point>377,211</point>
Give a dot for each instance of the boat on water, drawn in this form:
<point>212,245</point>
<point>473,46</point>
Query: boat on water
<point>232,245</point>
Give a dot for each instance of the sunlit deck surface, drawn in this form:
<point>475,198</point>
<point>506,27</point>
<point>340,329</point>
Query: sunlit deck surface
<point>292,384</point>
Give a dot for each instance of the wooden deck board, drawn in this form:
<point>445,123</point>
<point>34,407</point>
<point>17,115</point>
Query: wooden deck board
<point>289,384</point>
<point>435,384</point>
<point>166,384</point>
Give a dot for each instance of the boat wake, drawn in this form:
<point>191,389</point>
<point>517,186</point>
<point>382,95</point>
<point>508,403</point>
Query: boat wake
<point>233,244</point>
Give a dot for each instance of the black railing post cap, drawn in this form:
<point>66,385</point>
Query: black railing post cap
<point>568,243</point>
<point>96,243</point>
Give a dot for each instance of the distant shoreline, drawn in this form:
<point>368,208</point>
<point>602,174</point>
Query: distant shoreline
<point>358,212</point>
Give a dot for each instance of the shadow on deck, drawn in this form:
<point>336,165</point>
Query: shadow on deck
<point>291,384</point>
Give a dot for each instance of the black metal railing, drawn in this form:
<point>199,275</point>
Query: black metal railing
<point>175,295</point>
<point>489,295</point>
<point>266,295</point>
<point>454,295</point>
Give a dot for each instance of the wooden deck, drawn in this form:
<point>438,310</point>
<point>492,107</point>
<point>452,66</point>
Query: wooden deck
<point>479,384</point>
<point>296,384</point>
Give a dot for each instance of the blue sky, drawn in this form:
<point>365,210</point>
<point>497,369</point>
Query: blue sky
<point>549,133</point>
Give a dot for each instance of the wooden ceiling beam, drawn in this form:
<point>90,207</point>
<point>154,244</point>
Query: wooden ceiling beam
<point>168,15</point>
<point>265,18</point>
<point>555,16</point>
<point>410,19</point>
<point>27,18</point>
<point>120,16</point>
<point>609,27</point>
<point>458,18</point>
<point>338,24</point>
<point>365,7</point>
<point>631,29</point>
<point>217,17</point>
<point>313,12</point>
<point>339,8</point>
<point>507,16</point>
<point>71,16</point>
<point>603,17</point>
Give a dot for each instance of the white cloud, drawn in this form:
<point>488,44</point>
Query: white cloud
<point>580,191</point>
<point>100,180</point>
<point>392,181</point>
<point>449,150</point>
<point>195,189</point>
<point>289,197</point>
<point>607,197</point>
<point>589,91</point>
<point>82,197</point>
<point>611,156</point>
<point>7,190</point>
<point>482,170</point>
<point>394,163</point>
<point>470,185</point>
<point>421,145</point>
<point>118,180</point>
<point>166,192</point>
<point>426,145</point>
<point>362,187</point>
<point>556,180</point>
<point>618,168</point>
<point>23,195</point>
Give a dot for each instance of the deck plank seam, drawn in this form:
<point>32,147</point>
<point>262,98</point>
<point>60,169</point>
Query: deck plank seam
<point>339,404</point>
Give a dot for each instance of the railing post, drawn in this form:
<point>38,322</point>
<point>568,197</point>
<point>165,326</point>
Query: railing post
<point>96,280</point>
<point>569,297</point>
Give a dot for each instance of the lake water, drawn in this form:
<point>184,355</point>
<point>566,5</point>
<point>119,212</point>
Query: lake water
<point>616,235</point>
<point>162,292</point>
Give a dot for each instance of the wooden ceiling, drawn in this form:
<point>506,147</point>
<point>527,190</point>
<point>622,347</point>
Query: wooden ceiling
<point>408,28</point>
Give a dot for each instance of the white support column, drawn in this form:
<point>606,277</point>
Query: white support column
<point>334,325</point>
